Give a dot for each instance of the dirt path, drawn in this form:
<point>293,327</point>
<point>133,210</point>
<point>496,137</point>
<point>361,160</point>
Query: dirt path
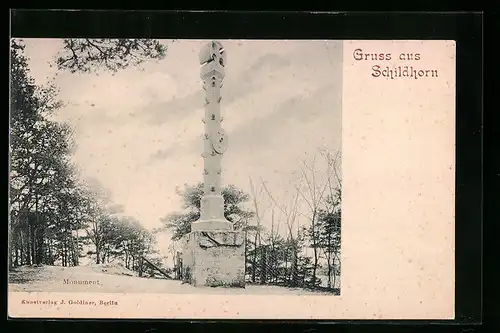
<point>52,279</point>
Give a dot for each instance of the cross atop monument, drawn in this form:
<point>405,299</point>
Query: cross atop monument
<point>213,62</point>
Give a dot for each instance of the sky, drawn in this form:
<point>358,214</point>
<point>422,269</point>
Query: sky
<point>139,132</point>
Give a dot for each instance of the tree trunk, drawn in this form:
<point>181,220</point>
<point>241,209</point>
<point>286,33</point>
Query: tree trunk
<point>286,278</point>
<point>329,272</point>
<point>62,253</point>
<point>254,263</point>
<point>246,252</point>
<point>40,246</point>
<point>28,246</point>
<point>271,264</point>
<point>77,249</point>
<point>16,249</point>
<point>140,267</point>
<point>65,252</point>
<point>97,255</point>
<point>35,238</point>
<point>315,266</point>
<point>263,269</point>
<point>295,264</point>
<point>10,245</point>
<point>71,248</point>
<point>329,261</point>
<point>21,247</point>
<point>336,256</point>
<point>32,245</point>
<point>315,250</point>
<point>51,256</point>
<point>334,280</point>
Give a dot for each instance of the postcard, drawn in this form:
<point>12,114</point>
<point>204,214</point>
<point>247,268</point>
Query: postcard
<point>232,179</point>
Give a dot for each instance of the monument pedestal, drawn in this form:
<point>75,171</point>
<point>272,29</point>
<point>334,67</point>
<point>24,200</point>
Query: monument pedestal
<point>214,258</point>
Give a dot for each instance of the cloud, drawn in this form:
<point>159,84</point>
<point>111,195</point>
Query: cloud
<point>299,108</point>
<point>263,65</point>
<point>259,131</point>
<point>248,82</point>
<point>307,90</point>
<point>176,149</point>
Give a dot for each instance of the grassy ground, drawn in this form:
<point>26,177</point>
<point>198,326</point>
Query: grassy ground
<point>111,280</point>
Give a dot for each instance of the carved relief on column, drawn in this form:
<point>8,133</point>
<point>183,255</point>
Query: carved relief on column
<point>213,62</point>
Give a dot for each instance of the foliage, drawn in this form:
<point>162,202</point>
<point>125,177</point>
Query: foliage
<point>279,261</point>
<point>87,55</point>
<point>180,222</point>
<point>329,232</point>
<point>53,214</point>
<point>272,258</point>
<point>122,238</point>
<point>42,180</point>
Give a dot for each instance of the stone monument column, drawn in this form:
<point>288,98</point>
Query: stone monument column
<point>214,254</point>
<point>212,61</point>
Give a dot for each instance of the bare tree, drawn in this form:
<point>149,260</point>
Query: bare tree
<point>256,229</point>
<point>333,177</point>
<point>330,217</point>
<point>314,196</point>
<point>174,252</point>
<point>290,213</point>
<point>101,209</point>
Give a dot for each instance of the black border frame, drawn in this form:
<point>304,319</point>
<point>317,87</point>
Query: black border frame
<point>465,28</point>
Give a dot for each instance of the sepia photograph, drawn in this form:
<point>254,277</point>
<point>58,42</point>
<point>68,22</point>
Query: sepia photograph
<point>175,166</point>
